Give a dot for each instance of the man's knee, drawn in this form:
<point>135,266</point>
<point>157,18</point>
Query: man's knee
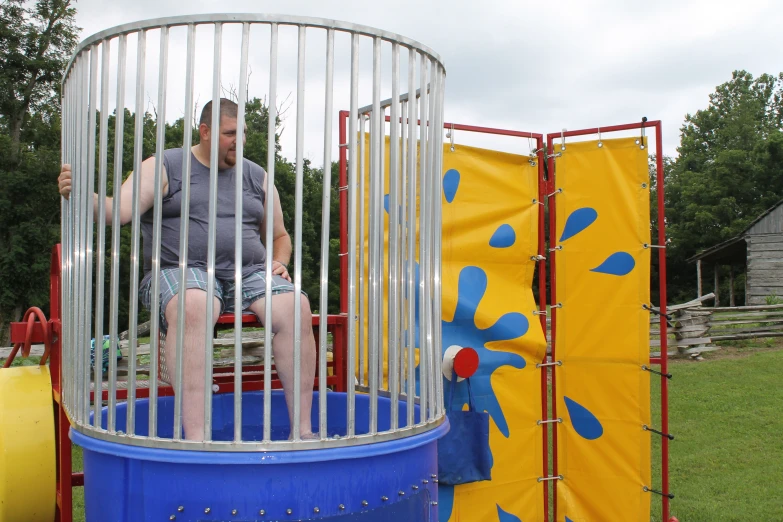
<point>282,312</point>
<point>195,308</point>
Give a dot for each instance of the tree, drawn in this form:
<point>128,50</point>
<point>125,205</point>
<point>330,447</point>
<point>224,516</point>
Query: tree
<point>729,170</point>
<point>35,44</point>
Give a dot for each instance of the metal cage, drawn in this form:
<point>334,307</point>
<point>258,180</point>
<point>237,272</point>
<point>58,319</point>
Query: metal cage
<point>403,384</point>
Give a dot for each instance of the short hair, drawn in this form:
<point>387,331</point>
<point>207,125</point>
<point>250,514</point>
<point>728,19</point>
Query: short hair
<point>227,108</point>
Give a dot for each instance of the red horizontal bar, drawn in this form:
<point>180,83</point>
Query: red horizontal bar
<point>491,130</point>
<point>655,360</point>
<point>77,479</point>
<point>611,128</point>
<point>19,333</point>
<point>249,383</point>
<point>484,130</point>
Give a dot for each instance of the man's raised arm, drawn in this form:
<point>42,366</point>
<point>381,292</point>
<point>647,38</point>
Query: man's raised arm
<point>146,195</point>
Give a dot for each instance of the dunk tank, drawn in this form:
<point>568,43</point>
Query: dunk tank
<point>374,454</point>
<point>435,253</point>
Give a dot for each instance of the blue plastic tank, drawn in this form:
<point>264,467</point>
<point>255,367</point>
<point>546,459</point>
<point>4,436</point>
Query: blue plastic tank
<point>378,482</point>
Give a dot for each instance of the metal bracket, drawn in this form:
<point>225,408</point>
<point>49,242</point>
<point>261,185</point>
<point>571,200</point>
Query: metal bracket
<point>650,490</point>
<point>648,369</point>
<point>662,434</point>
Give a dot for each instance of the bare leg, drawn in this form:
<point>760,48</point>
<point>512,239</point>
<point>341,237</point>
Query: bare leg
<point>283,347</point>
<point>193,357</point>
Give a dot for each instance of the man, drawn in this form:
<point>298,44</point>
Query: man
<point>253,262</point>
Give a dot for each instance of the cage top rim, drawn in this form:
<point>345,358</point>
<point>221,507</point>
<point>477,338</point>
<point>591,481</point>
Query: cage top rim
<point>254,18</point>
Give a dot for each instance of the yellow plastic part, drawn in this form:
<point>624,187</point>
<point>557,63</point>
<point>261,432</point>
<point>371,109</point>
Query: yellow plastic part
<point>27,445</point>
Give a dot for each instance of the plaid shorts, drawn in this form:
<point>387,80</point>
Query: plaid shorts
<point>253,289</point>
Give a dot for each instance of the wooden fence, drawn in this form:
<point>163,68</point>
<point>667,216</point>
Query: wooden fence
<point>693,328</point>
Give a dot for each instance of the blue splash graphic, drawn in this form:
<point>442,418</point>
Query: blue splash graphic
<point>569,520</point>
<point>503,237</point>
<point>578,221</point>
<point>583,421</point>
<point>450,184</point>
<point>506,517</point>
<point>619,264</point>
<point>462,331</point>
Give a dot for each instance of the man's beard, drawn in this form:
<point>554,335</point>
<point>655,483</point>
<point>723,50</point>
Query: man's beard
<point>231,160</point>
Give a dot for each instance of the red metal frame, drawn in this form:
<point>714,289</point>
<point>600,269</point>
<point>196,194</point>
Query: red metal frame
<point>539,138</point>
<point>22,332</point>
<point>663,359</point>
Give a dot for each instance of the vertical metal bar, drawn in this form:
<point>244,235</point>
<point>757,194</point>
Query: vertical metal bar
<point>362,282</point>
<point>424,226</point>
<point>65,233</point>
<point>394,238</point>
<point>71,210</point>
<point>212,239</point>
<point>78,242</point>
<point>119,126</point>
<point>130,429</point>
<point>411,231</point>
<point>156,225</point>
<point>325,222</point>
<point>403,241</point>
<point>300,108</point>
<point>352,171</point>
<point>429,282</point>
<point>101,225</point>
<point>270,188</point>
<point>239,213</point>
<point>184,230</point>
<point>375,274</point>
<point>437,186</point>
<point>79,216</point>
<point>86,250</point>
<point>89,190</point>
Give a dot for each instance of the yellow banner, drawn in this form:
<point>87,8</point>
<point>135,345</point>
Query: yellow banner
<point>490,233</point>
<point>602,331</point>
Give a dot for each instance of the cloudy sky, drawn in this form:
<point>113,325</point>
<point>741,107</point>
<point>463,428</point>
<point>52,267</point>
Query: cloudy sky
<point>531,66</point>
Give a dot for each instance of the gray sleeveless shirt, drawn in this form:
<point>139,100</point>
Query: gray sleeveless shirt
<point>253,251</point>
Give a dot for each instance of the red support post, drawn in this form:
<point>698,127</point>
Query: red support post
<point>550,188</point>
<point>542,308</point>
<point>663,306</point>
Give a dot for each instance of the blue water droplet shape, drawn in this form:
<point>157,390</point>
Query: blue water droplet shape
<point>584,422</point>
<point>503,516</point>
<point>578,221</point>
<point>503,237</point>
<point>450,184</point>
<point>619,264</point>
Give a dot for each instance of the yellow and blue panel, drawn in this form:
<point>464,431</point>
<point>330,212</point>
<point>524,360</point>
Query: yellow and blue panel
<point>602,330</point>
<point>490,233</point>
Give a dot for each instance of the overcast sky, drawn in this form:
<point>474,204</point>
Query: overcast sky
<point>531,66</point>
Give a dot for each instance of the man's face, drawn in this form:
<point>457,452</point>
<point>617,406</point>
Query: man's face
<point>227,142</point>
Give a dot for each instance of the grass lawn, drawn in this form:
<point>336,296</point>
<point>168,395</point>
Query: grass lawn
<point>726,463</point>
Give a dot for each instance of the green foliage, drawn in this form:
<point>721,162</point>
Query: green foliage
<point>728,171</point>
<point>773,300</point>
<point>35,43</point>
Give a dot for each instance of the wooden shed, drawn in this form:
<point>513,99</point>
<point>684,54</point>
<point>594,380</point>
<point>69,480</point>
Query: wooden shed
<point>758,251</point>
